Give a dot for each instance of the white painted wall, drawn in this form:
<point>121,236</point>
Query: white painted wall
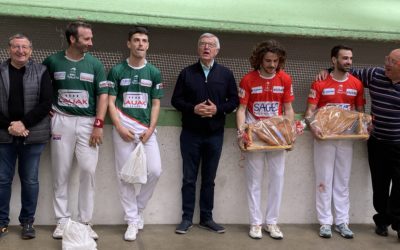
<point>298,203</point>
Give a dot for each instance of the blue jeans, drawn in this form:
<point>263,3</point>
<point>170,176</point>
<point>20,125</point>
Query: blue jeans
<point>207,149</point>
<point>28,167</point>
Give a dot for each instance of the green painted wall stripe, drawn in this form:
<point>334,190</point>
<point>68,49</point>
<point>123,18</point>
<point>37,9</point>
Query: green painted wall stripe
<point>352,19</point>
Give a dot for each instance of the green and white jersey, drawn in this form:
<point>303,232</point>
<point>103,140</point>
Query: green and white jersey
<point>76,84</point>
<point>135,87</point>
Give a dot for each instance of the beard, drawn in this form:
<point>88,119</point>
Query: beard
<point>82,48</point>
<point>343,68</point>
<point>269,70</point>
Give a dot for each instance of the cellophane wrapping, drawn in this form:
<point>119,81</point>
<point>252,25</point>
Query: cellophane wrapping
<point>336,123</point>
<point>275,133</point>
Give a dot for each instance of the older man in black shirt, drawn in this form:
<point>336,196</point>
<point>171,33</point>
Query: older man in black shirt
<point>25,102</point>
<point>204,92</point>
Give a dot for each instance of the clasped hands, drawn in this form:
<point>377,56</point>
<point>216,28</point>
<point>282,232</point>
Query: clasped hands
<point>205,109</point>
<point>128,135</point>
<point>17,128</point>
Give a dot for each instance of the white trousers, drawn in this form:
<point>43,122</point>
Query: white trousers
<point>255,163</point>
<point>70,135</point>
<point>133,203</point>
<point>332,162</point>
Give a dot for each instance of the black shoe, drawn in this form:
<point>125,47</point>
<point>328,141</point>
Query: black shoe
<point>211,225</point>
<point>184,227</point>
<point>28,231</point>
<point>381,230</point>
<point>3,230</point>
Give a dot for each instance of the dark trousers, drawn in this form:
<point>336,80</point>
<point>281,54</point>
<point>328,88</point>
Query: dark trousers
<point>384,162</point>
<point>196,148</point>
<point>28,156</point>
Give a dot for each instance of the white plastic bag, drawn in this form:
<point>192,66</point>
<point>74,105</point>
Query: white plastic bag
<point>76,237</point>
<point>135,168</point>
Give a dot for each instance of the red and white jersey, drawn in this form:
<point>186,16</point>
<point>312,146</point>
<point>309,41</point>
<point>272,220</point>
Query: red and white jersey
<point>346,94</point>
<point>264,96</point>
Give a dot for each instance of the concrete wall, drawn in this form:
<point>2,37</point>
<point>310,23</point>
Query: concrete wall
<point>298,203</point>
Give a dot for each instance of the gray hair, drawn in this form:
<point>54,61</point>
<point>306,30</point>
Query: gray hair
<point>210,35</point>
<point>19,36</point>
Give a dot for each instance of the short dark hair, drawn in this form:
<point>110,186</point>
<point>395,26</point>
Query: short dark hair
<point>19,36</point>
<point>263,48</point>
<point>335,50</point>
<point>72,29</point>
<point>138,29</point>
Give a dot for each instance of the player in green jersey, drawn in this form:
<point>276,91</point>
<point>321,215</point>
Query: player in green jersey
<point>134,106</point>
<point>79,104</point>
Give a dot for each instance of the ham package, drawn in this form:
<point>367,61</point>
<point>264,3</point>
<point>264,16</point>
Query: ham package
<point>337,123</point>
<point>275,133</point>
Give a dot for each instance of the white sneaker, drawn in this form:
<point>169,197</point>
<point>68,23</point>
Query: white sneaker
<point>274,231</point>
<point>131,231</point>
<point>59,231</point>
<point>140,223</point>
<point>255,232</point>
<point>92,233</point>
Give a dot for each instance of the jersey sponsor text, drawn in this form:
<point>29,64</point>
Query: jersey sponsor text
<point>104,84</point>
<point>125,82</point>
<point>160,86</point>
<point>266,109</point>
<point>256,90</point>
<point>278,89</point>
<point>145,82</point>
<point>351,92</point>
<point>59,75</point>
<point>345,106</point>
<point>86,77</point>
<point>135,100</point>
<point>73,98</point>
<point>328,91</point>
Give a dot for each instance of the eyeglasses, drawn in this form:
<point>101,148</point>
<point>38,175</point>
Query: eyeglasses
<point>22,47</point>
<point>210,45</point>
<point>390,61</point>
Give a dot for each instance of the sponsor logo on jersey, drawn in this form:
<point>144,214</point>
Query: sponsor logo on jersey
<point>125,82</point>
<point>145,83</point>
<point>135,100</point>
<point>73,98</point>
<point>59,75</point>
<point>135,79</point>
<point>104,84</point>
<point>56,137</point>
<point>256,90</point>
<point>266,109</point>
<point>344,106</point>
<point>267,87</point>
<point>278,89</point>
<point>160,86</point>
<point>72,73</point>
<point>340,89</point>
<point>242,93</point>
<point>328,91</point>
<point>351,92</point>
<point>86,77</point>
<point>312,94</point>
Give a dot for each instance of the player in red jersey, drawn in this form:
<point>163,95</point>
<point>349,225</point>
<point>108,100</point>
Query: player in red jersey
<point>265,92</point>
<point>333,158</point>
